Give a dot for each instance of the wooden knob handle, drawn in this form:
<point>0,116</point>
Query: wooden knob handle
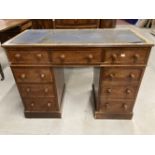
<point>49,104</point>
<point>28,90</point>
<point>32,104</point>
<point>109,90</point>
<point>136,57</point>
<point>42,76</point>
<point>90,57</point>
<point>125,107</point>
<point>62,57</point>
<point>23,76</point>
<point>122,55</point>
<point>39,55</point>
<point>132,76</point>
<point>17,56</point>
<point>114,57</point>
<point>46,90</point>
<point>128,91</point>
<point>111,75</point>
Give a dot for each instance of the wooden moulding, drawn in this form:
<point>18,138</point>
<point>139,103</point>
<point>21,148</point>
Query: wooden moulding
<point>42,114</point>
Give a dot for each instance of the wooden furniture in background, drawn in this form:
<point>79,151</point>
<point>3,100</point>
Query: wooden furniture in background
<point>9,28</point>
<point>119,58</point>
<point>42,23</point>
<point>73,23</point>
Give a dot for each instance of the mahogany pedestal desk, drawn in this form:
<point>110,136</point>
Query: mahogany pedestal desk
<point>119,58</point>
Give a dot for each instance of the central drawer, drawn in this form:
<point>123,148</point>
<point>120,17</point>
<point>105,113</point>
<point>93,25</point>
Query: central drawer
<point>76,56</point>
<point>33,74</point>
<point>37,90</point>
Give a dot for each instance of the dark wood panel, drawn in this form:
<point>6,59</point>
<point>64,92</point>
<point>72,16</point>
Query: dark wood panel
<point>108,23</point>
<point>42,23</point>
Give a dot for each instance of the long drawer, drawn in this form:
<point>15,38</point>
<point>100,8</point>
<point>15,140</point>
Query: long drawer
<point>88,56</point>
<point>28,56</point>
<point>124,55</point>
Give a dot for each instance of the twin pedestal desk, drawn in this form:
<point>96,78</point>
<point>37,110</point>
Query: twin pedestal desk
<point>119,58</point>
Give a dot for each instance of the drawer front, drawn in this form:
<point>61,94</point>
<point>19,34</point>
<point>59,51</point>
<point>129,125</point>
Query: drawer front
<point>76,57</point>
<point>28,56</point>
<point>119,74</point>
<point>41,104</point>
<point>36,90</point>
<point>116,107</point>
<point>74,22</point>
<point>118,92</point>
<point>34,75</point>
<point>87,21</point>
<point>126,55</point>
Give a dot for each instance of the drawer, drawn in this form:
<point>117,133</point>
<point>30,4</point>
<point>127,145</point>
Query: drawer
<point>88,21</point>
<point>116,107</point>
<point>37,90</point>
<point>32,75</point>
<point>118,92</point>
<point>121,74</point>
<point>41,104</point>
<point>21,56</point>
<point>126,55</point>
<point>76,22</point>
<point>76,57</point>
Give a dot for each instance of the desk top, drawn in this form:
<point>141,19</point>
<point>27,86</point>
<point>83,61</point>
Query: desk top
<point>84,37</point>
<point>6,24</point>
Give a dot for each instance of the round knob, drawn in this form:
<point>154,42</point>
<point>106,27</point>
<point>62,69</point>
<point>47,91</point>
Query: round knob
<point>109,90</point>
<point>23,76</point>
<point>39,55</point>
<point>128,91</point>
<point>90,57</point>
<point>132,76</point>
<point>136,57</point>
<point>27,90</point>
<point>111,75</point>
<point>114,57</point>
<point>62,57</point>
<point>32,104</point>
<point>125,107</point>
<point>17,56</point>
<point>122,55</point>
<point>48,104</point>
<point>42,76</point>
<point>46,90</point>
